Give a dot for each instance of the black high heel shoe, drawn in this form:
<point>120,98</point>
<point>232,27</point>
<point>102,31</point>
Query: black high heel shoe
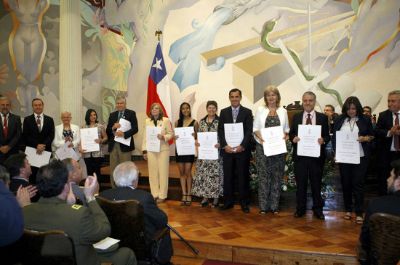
<point>184,198</point>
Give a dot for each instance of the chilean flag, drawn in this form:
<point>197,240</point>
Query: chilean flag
<point>158,84</point>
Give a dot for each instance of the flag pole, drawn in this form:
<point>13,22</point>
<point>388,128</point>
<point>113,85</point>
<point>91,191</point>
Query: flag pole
<point>158,34</point>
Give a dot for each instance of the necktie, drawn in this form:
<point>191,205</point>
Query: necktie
<point>5,126</point>
<point>120,114</point>
<point>396,140</point>
<point>308,120</point>
<point>235,113</point>
<point>39,123</point>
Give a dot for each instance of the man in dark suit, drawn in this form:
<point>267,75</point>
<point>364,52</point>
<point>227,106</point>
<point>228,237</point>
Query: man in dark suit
<point>309,167</point>
<point>389,204</point>
<point>20,171</point>
<point>120,152</point>
<point>38,131</point>
<point>236,159</point>
<point>126,177</point>
<point>85,225</point>
<point>387,132</point>
<point>11,130</point>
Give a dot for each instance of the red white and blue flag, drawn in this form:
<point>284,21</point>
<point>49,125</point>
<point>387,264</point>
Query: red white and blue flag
<point>158,84</point>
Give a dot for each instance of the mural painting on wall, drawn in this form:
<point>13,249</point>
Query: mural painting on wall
<point>335,48</point>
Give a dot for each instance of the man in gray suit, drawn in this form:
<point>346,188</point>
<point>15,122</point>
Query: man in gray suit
<point>85,225</point>
<point>10,132</point>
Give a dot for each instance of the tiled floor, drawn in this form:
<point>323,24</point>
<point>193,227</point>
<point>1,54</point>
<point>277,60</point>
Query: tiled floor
<point>282,232</point>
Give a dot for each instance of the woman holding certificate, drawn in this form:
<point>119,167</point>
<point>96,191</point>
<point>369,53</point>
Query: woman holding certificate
<point>185,162</point>
<point>93,160</point>
<point>207,182</point>
<point>352,135</point>
<point>270,168</point>
<point>156,151</point>
<point>66,132</point>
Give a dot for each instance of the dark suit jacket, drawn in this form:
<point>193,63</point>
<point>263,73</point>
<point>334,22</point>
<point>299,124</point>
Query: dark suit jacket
<point>386,204</point>
<point>85,225</point>
<point>321,119</point>
<point>245,115</point>
<point>364,127</point>
<point>13,136</point>
<point>384,124</point>
<point>11,221</point>
<point>31,135</point>
<point>129,115</point>
<point>16,182</point>
<point>154,218</point>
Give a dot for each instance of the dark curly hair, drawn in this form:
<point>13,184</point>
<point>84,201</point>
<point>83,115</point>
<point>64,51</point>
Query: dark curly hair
<point>87,116</point>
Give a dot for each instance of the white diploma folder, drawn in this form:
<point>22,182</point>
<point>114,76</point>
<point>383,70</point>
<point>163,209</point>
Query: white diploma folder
<point>66,152</point>
<point>274,142</point>
<point>88,138</point>
<point>185,144</point>
<point>125,126</point>
<point>308,144</point>
<point>35,159</point>
<point>153,144</point>
<point>234,134</point>
<point>347,148</point>
<point>105,243</point>
<point>207,149</point>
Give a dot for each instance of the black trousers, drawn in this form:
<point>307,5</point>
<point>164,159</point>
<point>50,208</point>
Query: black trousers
<point>353,177</point>
<point>93,165</point>
<point>236,165</point>
<point>308,168</point>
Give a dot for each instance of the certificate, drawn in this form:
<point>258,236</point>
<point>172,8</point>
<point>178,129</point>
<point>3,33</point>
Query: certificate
<point>88,139</point>
<point>308,144</point>
<point>207,149</point>
<point>35,159</point>
<point>233,133</point>
<point>125,126</point>
<point>66,152</point>
<point>274,142</point>
<point>347,148</point>
<point>152,141</point>
<point>185,142</point>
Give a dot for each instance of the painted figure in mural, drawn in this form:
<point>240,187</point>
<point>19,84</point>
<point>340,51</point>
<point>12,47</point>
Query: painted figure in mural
<point>185,162</point>
<point>236,158</point>
<point>271,168</point>
<point>27,44</point>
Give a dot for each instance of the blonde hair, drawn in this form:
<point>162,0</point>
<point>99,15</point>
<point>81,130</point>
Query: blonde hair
<point>159,107</point>
<point>274,90</point>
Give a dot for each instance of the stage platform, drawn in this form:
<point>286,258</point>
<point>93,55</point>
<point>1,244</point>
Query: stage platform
<point>261,239</point>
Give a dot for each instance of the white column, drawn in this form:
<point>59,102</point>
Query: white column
<point>71,60</point>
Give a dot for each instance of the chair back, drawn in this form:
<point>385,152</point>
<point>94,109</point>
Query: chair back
<point>127,224</point>
<point>49,247</point>
<point>384,238</point>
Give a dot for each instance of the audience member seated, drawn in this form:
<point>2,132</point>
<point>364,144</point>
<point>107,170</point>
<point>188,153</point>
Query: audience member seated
<point>20,171</point>
<point>11,219</point>
<point>85,225</point>
<point>389,204</point>
<point>126,177</point>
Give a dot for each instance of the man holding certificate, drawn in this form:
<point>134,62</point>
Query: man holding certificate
<point>235,131</point>
<point>308,154</point>
<point>351,139</point>
<point>122,125</point>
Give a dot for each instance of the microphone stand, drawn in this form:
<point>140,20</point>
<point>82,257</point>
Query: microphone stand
<point>195,250</point>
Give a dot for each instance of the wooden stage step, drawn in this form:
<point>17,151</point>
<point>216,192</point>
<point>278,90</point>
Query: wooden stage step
<point>255,239</point>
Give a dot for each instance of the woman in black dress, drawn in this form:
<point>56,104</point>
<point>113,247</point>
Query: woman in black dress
<point>185,162</point>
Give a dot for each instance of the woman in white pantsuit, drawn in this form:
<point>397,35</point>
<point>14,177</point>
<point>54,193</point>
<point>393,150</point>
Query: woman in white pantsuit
<point>158,162</point>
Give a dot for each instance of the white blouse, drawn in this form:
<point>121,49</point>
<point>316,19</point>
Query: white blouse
<point>261,115</point>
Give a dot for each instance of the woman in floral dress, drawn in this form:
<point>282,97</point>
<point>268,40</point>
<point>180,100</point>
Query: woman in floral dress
<point>208,178</point>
